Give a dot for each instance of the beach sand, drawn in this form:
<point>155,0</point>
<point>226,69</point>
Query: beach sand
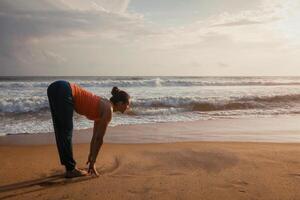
<point>199,170</point>
<point>181,170</point>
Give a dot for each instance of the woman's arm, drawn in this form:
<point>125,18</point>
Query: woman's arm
<point>99,130</point>
<point>96,143</point>
<point>97,140</point>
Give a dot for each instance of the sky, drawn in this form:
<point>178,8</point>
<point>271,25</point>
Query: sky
<point>155,38</point>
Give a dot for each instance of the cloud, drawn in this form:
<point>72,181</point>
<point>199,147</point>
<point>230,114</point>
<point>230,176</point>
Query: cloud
<point>26,24</point>
<point>115,6</point>
<point>239,23</point>
<point>257,26</point>
<point>105,35</point>
<point>223,65</point>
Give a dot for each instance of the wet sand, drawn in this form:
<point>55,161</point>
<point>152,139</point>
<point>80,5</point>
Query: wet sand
<point>281,129</point>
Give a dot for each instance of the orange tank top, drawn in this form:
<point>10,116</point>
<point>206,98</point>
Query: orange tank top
<point>85,102</point>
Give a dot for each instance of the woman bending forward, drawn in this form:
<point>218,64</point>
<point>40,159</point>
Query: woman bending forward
<point>64,98</point>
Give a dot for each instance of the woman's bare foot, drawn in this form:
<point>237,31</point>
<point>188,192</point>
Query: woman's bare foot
<point>75,173</point>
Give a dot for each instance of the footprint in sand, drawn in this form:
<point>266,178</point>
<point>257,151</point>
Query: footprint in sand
<point>241,185</point>
<point>296,175</point>
<point>115,165</point>
<point>211,162</point>
<point>145,190</point>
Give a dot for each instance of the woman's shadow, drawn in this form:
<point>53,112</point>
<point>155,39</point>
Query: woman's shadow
<point>57,179</point>
<point>39,184</point>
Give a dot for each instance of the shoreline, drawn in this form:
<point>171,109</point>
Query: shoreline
<point>281,129</point>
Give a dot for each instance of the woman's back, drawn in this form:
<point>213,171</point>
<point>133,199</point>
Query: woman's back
<point>85,102</point>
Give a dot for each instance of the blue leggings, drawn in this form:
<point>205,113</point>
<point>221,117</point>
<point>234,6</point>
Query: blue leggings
<point>62,108</point>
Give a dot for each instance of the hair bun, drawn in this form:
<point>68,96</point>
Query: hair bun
<point>115,91</point>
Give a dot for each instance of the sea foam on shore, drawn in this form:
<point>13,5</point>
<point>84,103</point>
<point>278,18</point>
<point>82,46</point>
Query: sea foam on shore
<point>24,105</point>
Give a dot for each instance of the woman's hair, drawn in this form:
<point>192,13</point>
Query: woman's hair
<point>119,95</point>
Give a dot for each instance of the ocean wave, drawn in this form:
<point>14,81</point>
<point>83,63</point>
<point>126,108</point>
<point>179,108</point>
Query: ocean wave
<point>193,104</point>
<point>94,83</point>
<point>165,104</point>
<point>227,82</point>
<point>274,99</point>
<point>157,82</point>
<point>198,104</point>
<point>23,104</point>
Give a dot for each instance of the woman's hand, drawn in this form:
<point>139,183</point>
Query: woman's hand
<point>92,168</point>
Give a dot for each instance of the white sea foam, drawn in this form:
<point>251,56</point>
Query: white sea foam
<point>164,82</point>
<point>24,105</point>
<point>174,104</point>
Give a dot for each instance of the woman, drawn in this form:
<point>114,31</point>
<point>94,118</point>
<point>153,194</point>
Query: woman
<point>64,98</point>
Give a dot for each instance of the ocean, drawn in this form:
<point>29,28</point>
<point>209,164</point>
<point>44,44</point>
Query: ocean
<point>24,105</point>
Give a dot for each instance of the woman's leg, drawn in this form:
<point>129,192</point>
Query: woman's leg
<point>62,108</point>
